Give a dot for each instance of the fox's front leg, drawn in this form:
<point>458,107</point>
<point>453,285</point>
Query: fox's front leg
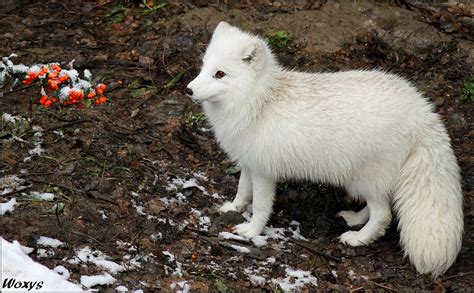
<point>263,189</point>
<point>243,197</point>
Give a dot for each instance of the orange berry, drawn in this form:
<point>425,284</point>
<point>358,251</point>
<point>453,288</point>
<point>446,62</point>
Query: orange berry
<point>90,95</point>
<point>103,99</point>
<point>100,88</point>
<point>26,81</point>
<point>43,99</point>
<point>53,75</point>
<point>54,100</point>
<point>48,103</point>
<point>52,85</point>
<point>63,78</point>
<point>32,75</point>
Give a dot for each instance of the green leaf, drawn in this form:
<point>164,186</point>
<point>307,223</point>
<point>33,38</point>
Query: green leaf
<point>116,15</point>
<point>234,169</point>
<point>57,209</point>
<point>280,39</point>
<point>220,286</point>
<point>87,103</point>
<point>172,82</point>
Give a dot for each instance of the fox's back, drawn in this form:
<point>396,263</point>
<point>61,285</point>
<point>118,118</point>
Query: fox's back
<point>324,125</point>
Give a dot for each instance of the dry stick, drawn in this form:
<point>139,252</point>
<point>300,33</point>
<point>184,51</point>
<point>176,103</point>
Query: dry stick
<point>310,249</point>
<point>85,235</point>
<point>67,124</point>
<point>382,286</point>
<point>457,276</point>
<point>4,93</point>
<point>17,190</point>
<point>74,190</point>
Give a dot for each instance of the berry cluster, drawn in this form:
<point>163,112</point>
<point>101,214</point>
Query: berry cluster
<point>58,85</point>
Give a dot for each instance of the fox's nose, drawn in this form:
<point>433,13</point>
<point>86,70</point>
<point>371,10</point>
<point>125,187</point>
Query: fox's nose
<point>189,91</point>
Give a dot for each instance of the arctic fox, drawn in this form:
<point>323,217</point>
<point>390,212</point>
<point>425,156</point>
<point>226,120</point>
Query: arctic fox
<point>368,131</point>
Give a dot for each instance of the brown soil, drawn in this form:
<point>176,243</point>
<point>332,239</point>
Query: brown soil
<point>113,159</point>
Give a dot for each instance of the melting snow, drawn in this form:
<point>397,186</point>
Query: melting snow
<point>91,281</point>
<point>98,258</point>
<point>43,253</point>
<point>183,285</point>
<point>240,249</point>
<point>62,271</point>
<point>259,240</point>
<point>295,279</point>
<point>7,207</point>
<point>41,195</point>
<point>19,266</point>
<point>9,182</point>
<point>121,289</point>
<point>231,236</point>
<point>49,242</point>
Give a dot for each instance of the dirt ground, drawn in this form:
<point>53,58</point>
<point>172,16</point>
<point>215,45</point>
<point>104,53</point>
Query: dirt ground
<point>139,179</point>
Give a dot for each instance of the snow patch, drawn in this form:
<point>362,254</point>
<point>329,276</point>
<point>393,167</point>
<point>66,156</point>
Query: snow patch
<point>7,207</point>
<point>19,266</point>
<point>231,236</point>
<point>260,240</point>
<point>62,271</point>
<point>49,242</point>
<point>295,279</point>
<point>48,196</point>
<point>121,289</point>
<point>183,285</point>
<point>97,258</point>
<point>91,281</point>
<point>241,249</point>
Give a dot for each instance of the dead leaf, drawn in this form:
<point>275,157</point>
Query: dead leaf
<point>156,206</point>
<point>124,205</point>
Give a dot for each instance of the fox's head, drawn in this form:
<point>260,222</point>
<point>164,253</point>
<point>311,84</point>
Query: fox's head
<point>234,64</point>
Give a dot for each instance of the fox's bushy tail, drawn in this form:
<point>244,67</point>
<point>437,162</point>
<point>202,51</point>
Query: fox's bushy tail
<point>428,201</point>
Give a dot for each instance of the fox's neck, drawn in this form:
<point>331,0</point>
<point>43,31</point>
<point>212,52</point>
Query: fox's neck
<point>231,118</point>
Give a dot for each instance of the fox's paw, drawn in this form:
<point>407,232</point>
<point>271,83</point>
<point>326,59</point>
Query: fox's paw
<point>353,238</point>
<point>247,230</point>
<point>352,218</point>
<point>228,207</point>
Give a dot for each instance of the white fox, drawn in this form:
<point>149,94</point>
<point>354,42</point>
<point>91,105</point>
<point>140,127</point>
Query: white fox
<point>368,131</point>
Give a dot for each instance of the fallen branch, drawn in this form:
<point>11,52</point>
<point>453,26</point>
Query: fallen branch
<point>315,251</point>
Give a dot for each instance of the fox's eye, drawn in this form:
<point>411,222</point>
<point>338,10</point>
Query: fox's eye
<point>219,74</point>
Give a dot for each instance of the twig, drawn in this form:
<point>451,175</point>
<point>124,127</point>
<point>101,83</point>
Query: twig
<point>4,93</point>
<point>17,190</point>
<point>66,124</point>
<point>382,286</point>
<point>74,190</point>
<point>459,275</point>
<point>87,236</point>
<point>310,249</point>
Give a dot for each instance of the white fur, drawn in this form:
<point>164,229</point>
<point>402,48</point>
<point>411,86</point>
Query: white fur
<point>368,131</point>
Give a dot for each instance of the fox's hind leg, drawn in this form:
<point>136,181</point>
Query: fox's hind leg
<point>372,185</point>
<point>380,217</point>
<point>355,218</point>
<point>243,197</point>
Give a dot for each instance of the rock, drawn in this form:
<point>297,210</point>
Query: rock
<point>229,218</point>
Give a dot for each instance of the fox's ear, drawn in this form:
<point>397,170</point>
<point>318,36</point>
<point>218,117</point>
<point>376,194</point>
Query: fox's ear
<point>222,26</point>
<point>251,52</point>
